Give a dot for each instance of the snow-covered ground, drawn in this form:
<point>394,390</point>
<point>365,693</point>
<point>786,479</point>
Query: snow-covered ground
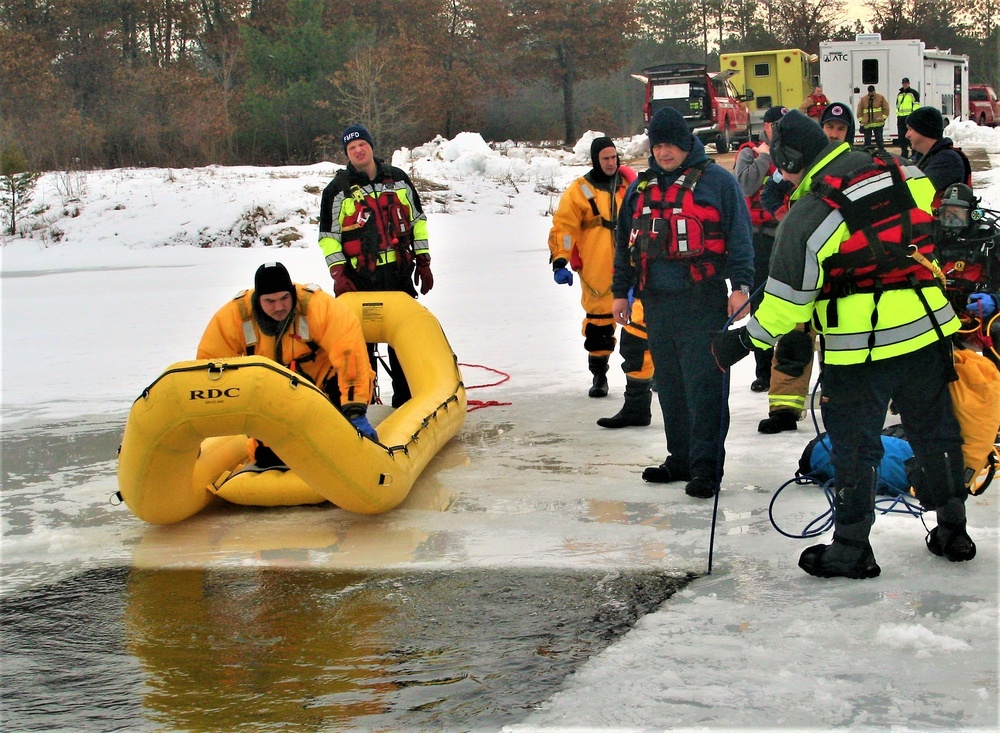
<point>130,264</point>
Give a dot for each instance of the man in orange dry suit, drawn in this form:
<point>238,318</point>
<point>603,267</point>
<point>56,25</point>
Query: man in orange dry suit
<point>373,234</point>
<point>583,237</point>
<point>302,328</point>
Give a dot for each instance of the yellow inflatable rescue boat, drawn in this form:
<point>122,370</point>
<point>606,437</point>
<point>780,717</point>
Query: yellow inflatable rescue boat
<point>185,440</point>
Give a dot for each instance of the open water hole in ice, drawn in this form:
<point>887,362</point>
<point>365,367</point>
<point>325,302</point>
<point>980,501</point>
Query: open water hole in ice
<point>122,648</point>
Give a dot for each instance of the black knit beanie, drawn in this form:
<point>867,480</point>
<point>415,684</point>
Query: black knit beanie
<point>927,121</point>
<point>667,126</point>
<point>357,132</point>
<point>272,277</point>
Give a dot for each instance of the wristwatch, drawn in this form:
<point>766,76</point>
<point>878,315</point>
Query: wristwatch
<point>745,289</point>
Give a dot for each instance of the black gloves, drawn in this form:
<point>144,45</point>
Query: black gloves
<point>793,352</point>
<point>731,346</point>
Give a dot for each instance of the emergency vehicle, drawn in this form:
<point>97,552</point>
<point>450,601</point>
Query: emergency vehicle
<point>847,68</point>
<point>782,77</point>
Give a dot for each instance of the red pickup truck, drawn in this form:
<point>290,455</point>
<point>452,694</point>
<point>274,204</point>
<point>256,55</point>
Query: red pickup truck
<point>984,107</point>
<point>708,101</point>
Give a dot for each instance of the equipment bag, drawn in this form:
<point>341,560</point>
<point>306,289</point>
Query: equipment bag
<point>975,398</point>
<point>815,463</point>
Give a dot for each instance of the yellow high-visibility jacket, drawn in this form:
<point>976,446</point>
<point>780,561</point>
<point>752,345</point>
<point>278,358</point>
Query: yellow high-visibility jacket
<point>865,327</point>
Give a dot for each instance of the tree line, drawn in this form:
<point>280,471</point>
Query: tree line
<point>111,83</point>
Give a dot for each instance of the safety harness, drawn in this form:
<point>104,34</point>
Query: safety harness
<point>669,225</point>
<point>300,333</point>
<point>588,192</point>
<point>891,243</point>
<point>378,231</point>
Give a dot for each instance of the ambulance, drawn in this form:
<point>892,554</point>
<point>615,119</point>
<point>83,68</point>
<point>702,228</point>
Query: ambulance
<point>783,77</point>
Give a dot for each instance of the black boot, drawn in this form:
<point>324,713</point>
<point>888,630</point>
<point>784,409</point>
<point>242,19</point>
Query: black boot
<point>848,556</point>
<point>778,421</point>
<point>599,368</point>
<point>670,470</point>
<point>635,412</point>
<point>949,538</point>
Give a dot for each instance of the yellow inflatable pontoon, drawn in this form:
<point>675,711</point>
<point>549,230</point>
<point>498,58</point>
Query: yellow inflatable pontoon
<point>185,440</point>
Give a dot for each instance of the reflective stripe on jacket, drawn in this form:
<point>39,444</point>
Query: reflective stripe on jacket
<point>583,231</point>
<point>323,338</point>
<point>865,325</point>
<point>355,210</point>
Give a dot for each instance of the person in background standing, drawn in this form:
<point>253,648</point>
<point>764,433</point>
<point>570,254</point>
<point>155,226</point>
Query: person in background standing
<point>873,111</point>
<point>907,100</point>
<point>582,241</point>
<point>838,123</point>
<point>934,153</point>
<point>373,234</point>
<point>683,230</point>
<point>753,168</point>
<point>815,104</point>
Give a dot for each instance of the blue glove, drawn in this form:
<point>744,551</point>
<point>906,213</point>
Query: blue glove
<point>562,276</point>
<point>364,427</point>
<point>982,304</point>
<point>631,297</point>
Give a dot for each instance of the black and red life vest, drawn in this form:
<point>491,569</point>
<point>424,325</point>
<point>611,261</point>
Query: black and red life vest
<point>758,214</point>
<point>669,225</point>
<point>891,237</point>
<point>378,231</point>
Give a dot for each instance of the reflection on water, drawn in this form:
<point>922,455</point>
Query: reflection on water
<point>227,649</point>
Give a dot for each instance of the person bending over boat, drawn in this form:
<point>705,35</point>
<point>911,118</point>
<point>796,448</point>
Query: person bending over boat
<point>304,329</point>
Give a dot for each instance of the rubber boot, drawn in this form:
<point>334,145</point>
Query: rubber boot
<point>635,412</point>
<point>949,538</point>
<point>779,421</point>
<point>848,556</point>
<point>599,368</point>
<point>672,469</point>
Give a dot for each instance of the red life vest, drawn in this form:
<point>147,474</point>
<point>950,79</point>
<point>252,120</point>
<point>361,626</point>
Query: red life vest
<point>890,235</point>
<point>758,214</point>
<point>380,225</point>
<point>668,224</point>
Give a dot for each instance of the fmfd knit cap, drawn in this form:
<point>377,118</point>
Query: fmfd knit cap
<point>596,146</point>
<point>272,277</point>
<point>841,112</point>
<point>774,114</point>
<point>357,132</point>
<point>797,142</point>
<point>927,121</point>
<point>667,126</point>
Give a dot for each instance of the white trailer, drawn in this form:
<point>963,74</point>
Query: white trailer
<point>847,68</point>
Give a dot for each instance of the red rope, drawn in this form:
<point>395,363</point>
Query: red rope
<point>480,404</point>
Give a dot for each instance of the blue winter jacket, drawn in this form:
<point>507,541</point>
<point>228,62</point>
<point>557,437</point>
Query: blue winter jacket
<point>717,188</point>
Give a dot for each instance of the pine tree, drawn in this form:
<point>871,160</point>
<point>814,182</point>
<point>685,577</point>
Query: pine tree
<point>17,185</point>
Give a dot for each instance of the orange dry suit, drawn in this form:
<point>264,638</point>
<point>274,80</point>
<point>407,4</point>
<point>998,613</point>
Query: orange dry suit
<point>322,341</point>
<point>583,234</point>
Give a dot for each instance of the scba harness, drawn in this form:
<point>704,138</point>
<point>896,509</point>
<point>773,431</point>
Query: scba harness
<point>891,242</point>
<point>670,225</point>
<point>378,230</point>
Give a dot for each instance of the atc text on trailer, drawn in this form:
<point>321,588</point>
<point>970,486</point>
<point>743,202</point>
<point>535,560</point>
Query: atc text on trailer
<point>847,68</point>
